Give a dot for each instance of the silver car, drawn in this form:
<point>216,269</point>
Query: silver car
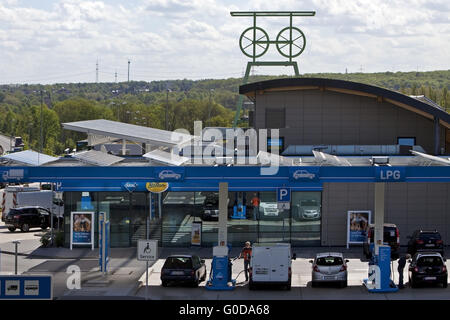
<point>329,267</point>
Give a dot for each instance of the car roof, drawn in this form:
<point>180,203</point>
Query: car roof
<point>384,225</point>
<point>430,253</point>
<point>181,256</point>
<point>27,207</point>
<point>329,254</point>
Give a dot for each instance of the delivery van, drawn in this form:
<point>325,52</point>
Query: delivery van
<point>270,264</point>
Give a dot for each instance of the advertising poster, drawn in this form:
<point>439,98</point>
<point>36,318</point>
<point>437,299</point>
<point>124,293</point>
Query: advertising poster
<point>82,228</point>
<point>196,233</point>
<point>357,222</point>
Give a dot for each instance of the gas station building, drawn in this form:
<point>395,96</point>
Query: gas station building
<point>336,139</point>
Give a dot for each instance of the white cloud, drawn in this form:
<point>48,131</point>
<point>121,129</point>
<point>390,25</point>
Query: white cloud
<point>199,38</point>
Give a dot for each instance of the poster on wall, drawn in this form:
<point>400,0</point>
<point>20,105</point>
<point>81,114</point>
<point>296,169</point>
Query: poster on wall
<point>196,233</point>
<point>82,229</point>
<point>357,222</point>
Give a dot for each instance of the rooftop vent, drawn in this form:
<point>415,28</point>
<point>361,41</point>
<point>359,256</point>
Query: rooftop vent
<point>379,161</point>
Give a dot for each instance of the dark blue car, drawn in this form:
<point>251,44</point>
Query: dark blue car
<point>185,269</point>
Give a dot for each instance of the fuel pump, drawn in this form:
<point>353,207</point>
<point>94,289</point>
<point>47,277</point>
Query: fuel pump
<point>221,270</point>
<point>239,209</point>
<point>379,279</point>
<point>221,266</point>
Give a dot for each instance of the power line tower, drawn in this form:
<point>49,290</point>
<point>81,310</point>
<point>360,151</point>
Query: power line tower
<point>129,70</point>
<point>254,43</point>
<point>115,76</point>
<point>96,72</point>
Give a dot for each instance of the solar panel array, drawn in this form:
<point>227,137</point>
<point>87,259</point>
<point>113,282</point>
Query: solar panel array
<point>29,157</point>
<point>131,132</point>
<point>97,158</point>
<point>166,157</point>
<point>328,159</point>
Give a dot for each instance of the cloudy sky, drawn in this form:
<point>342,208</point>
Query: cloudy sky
<point>58,41</point>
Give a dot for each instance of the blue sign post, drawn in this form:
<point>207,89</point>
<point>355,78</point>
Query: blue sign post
<point>103,242</point>
<point>26,287</point>
<point>284,198</point>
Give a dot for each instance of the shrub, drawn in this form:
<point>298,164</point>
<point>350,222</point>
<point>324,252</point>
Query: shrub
<point>45,239</point>
<point>59,238</point>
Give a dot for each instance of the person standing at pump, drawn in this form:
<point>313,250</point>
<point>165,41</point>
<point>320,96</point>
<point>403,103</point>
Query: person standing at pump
<point>401,266</point>
<point>255,204</point>
<point>246,253</point>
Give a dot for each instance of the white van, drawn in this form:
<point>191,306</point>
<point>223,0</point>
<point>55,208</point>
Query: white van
<point>271,264</point>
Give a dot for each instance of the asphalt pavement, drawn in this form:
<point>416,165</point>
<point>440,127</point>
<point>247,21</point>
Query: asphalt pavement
<point>301,281</point>
<point>126,275</point>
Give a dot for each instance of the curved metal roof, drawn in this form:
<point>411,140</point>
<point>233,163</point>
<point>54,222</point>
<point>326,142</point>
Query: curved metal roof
<point>349,87</point>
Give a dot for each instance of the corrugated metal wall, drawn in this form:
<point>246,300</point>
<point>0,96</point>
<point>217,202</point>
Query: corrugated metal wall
<point>325,117</point>
<point>410,206</point>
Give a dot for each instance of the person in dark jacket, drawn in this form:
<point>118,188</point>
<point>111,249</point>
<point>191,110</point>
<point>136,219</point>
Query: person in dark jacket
<point>401,266</point>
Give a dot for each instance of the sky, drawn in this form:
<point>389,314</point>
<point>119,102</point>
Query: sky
<point>62,41</point>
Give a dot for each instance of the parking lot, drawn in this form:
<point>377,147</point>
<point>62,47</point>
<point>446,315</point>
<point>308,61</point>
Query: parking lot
<point>301,282</point>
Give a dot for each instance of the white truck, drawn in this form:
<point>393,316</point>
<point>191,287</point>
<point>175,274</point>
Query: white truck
<point>270,264</point>
<point>18,196</point>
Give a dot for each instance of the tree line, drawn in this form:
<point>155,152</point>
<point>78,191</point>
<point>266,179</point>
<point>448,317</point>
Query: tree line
<point>161,104</point>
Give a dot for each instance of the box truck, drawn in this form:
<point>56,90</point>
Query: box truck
<point>270,264</point>
<point>17,196</point>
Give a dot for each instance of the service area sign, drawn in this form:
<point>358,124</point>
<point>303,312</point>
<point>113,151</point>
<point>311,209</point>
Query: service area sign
<point>26,287</point>
<point>147,250</point>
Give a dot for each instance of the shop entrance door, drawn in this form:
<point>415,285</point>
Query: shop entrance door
<point>274,224</point>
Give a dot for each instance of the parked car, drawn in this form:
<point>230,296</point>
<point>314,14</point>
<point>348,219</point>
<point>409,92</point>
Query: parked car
<point>425,240</point>
<point>427,267</point>
<point>329,267</point>
<point>211,207</point>
<point>270,264</point>
<point>183,269</point>
<point>309,209</point>
<point>25,218</point>
<point>391,237</point>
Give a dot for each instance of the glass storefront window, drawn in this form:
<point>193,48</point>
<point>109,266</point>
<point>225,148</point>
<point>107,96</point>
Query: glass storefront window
<point>252,216</point>
<point>274,223</point>
<point>306,218</point>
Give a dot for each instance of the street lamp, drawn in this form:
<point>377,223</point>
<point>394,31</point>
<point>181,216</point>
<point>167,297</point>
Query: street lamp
<point>167,107</point>
<point>209,108</point>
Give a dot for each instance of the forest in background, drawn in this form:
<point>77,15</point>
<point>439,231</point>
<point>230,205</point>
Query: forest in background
<point>212,101</point>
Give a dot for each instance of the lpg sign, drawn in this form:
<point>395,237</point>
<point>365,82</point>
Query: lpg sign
<point>389,174</point>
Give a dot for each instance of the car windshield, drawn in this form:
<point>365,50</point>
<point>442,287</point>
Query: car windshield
<point>389,234</point>
<point>309,203</point>
<point>211,201</point>
<point>429,261</point>
<point>329,261</point>
<point>178,263</point>
<point>430,236</point>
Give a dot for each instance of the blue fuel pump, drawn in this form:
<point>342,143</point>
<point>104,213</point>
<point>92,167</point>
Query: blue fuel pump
<point>239,212</point>
<point>379,279</point>
<point>221,271</point>
<point>239,209</point>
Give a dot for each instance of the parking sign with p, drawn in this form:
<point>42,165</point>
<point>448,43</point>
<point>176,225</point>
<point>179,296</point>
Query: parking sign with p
<point>284,195</point>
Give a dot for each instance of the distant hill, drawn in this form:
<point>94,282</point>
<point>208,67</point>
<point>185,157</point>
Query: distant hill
<point>225,91</point>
